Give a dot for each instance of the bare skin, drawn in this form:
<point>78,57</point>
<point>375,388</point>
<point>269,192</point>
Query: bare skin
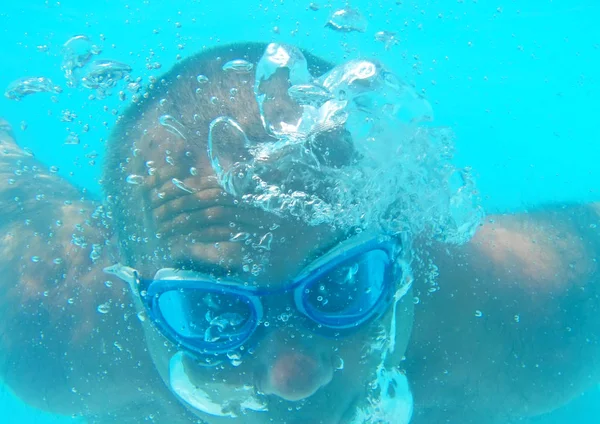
<point>64,356</point>
<point>535,347</point>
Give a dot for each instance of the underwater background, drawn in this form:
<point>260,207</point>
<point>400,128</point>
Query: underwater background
<point>517,81</point>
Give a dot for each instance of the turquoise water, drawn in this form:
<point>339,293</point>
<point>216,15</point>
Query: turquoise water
<point>517,81</point>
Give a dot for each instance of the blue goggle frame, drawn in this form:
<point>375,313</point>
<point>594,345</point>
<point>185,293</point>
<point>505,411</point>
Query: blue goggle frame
<point>151,291</point>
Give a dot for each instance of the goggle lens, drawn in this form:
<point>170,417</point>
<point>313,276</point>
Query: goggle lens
<point>212,320</point>
<point>348,294</point>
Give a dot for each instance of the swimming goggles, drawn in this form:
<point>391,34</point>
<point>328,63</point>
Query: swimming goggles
<point>348,286</point>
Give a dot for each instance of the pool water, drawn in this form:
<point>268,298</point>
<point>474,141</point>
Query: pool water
<point>518,83</point>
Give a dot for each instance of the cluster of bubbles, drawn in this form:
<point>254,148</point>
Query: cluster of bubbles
<point>81,68</point>
<point>349,19</point>
<point>22,87</point>
<point>389,400</point>
<point>399,176</point>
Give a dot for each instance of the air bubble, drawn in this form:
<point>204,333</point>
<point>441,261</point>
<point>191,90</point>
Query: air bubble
<point>347,20</point>
<point>102,75</point>
<point>173,126</point>
<point>240,237</point>
<point>238,66</point>
<point>103,308</point>
<point>134,179</point>
<point>76,52</point>
<point>133,87</point>
<point>309,94</point>
<point>22,87</point>
<point>212,334</point>
<point>72,139</point>
<point>234,355</point>
<point>182,186</point>
<point>265,242</point>
<point>388,38</point>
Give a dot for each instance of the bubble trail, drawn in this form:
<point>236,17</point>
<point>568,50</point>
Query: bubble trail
<point>377,125</point>
<point>77,51</point>
<point>102,75</point>
<point>22,87</point>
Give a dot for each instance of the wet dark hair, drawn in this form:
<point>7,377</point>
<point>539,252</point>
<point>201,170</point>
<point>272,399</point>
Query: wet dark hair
<point>180,95</point>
